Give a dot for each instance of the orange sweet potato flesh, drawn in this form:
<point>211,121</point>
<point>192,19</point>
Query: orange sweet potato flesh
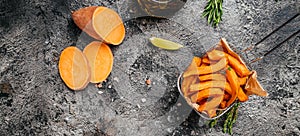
<point>202,70</point>
<point>241,95</point>
<point>204,94</point>
<point>219,77</point>
<point>74,68</point>
<point>108,25</point>
<point>235,60</point>
<point>83,19</point>
<point>196,62</point>
<point>100,60</point>
<point>237,65</point>
<point>211,104</point>
<point>240,69</point>
<point>234,84</point>
<point>207,84</point>
<point>211,112</point>
<point>226,96</point>
<point>205,60</point>
<point>223,104</point>
<point>242,80</point>
<point>238,84</point>
<point>186,84</point>
<point>216,55</point>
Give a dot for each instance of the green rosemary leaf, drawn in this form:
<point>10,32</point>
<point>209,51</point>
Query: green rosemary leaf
<point>213,12</point>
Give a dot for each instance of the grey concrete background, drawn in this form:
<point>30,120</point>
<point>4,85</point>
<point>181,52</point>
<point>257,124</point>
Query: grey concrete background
<point>35,101</point>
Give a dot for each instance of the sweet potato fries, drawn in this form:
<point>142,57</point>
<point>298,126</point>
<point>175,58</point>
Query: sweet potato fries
<point>218,79</point>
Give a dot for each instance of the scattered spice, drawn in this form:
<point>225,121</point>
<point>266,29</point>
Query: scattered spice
<point>148,81</point>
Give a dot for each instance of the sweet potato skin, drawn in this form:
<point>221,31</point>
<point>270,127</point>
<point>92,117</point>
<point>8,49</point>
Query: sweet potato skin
<point>83,19</point>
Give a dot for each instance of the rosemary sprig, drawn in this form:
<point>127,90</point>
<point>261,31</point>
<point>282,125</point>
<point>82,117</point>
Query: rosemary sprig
<point>213,11</point>
<point>230,119</point>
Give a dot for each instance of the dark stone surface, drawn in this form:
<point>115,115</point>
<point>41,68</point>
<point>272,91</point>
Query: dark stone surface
<point>35,101</point>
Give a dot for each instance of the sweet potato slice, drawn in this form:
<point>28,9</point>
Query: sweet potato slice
<point>237,65</point>
<point>83,19</point>
<point>74,68</point>
<point>100,60</point>
<point>108,25</point>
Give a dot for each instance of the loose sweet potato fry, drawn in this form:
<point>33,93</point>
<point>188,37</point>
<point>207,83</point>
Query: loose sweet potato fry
<point>241,95</point>
<point>74,68</point>
<point>202,70</point>
<point>211,103</point>
<point>253,87</point>
<point>204,94</point>
<point>100,60</point>
<point>208,84</point>
<point>234,84</point>
<point>218,77</point>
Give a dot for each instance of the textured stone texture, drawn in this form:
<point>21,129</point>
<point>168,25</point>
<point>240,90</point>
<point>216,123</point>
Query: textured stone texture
<point>35,101</point>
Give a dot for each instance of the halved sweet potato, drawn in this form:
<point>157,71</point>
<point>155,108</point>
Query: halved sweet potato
<point>100,60</point>
<point>108,25</point>
<point>83,19</point>
<point>74,68</point>
<point>100,23</point>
